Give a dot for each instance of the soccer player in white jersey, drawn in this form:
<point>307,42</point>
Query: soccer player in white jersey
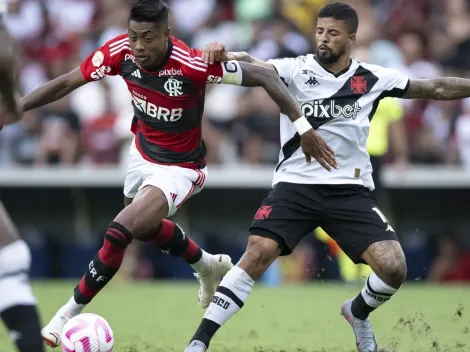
<point>17,303</point>
<point>338,96</point>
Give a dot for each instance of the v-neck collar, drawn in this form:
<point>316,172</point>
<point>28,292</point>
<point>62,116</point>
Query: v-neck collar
<point>334,74</point>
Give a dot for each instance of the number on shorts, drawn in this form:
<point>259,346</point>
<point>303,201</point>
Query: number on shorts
<point>379,213</point>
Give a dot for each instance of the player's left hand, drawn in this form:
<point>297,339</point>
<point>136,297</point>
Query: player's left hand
<point>216,51</point>
<point>314,146</point>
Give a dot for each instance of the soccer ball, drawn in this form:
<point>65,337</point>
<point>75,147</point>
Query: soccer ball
<point>87,333</point>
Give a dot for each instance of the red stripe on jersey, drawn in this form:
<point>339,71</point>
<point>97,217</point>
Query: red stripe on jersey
<point>193,166</point>
<point>174,141</point>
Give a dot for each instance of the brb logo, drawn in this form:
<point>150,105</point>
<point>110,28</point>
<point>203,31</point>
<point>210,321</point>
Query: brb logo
<point>173,87</point>
<point>331,110</point>
<point>156,112</point>
<point>100,73</point>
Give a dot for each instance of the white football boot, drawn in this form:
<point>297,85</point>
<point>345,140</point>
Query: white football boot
<point>51,333</point>
<point>219,266</point>
<point>365,338</point>
<point>196,346</point>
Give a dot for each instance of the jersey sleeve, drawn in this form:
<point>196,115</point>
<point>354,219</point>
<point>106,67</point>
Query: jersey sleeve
<point>285,68</point>
<point>106,61</point>
<point>226,72</point>
<point>395,84</point>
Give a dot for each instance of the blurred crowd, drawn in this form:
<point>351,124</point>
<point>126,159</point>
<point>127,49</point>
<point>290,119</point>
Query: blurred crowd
<point>422,38</point>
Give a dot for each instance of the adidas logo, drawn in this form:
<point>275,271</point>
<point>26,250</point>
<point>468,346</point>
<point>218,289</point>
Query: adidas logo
<point>136,73</point>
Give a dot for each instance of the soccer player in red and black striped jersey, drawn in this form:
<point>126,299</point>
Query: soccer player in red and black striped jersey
<point>167,158</point>
<point>17,302</point>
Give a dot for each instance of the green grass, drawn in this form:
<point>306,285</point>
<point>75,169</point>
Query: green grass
<point>162,317</point>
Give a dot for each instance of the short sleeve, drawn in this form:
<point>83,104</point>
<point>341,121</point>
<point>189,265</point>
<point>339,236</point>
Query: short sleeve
<point>106,61</point>
<point>285,68</point>
<point>395,83</point>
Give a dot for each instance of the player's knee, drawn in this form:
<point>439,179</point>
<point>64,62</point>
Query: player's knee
<point>262,251</point>
<point>396,271</point>
<point>147,210</point>
<point>15,257</point>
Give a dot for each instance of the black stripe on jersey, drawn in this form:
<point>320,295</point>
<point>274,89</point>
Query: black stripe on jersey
<point>191,118</point>
<point>394,93</point>
<point>344,96</point>
<point>282,78</point>
<point>165,156</point>
<point>133,74</point>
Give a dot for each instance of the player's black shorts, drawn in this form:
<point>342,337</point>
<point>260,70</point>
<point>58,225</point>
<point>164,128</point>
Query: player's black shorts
<point>346,212</point>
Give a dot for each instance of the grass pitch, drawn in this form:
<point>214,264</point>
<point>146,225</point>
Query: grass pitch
<point>160,317</point>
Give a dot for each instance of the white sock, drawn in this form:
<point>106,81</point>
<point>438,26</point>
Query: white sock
<point>203,265</point>
<point>376,292</point>
<point>15,262</point>
<point>72,308</point>
<point>230,296</point>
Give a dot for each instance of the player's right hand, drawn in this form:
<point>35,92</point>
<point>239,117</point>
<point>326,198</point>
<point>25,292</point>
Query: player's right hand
<point>314,146</point>
<point>216,51</point>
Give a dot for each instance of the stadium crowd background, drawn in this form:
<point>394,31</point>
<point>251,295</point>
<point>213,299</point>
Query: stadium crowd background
<point>422,38</point>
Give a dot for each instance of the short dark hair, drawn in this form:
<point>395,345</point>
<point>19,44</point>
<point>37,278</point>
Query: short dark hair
<point>149,11</point>
<point>342,12</point>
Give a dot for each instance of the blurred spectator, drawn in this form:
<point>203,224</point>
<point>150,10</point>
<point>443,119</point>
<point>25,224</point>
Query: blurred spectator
<point>422,38</point>
<point>462,132</point>
<point>100,141</point>
<point>452,263</point>
<point>59,139</point>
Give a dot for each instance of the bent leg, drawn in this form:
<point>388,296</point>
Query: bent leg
<point>18,311</point>
<point>235,288</point>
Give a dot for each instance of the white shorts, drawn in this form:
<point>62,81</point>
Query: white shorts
<point>177,183</point>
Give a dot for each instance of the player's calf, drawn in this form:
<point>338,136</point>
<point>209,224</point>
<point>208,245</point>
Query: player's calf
<point>387,260</point>
<point>17,303</point>
<point>235,288</point>
<point>100,271</point>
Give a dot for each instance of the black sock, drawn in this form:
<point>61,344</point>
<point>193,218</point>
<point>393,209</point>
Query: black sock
<point>360,309</point>
<point>206,331</point>
<point>23,325</point>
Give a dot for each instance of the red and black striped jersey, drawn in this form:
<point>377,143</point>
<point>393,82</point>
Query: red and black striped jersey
<point>169,103</point>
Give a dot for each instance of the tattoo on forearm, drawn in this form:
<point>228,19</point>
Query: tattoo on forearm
<point>448,88</point>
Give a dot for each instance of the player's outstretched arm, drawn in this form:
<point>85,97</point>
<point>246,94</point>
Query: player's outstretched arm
<point>53,90</point>
<point>312,144</point>
<point>446,88</point>
<point>216,51</point>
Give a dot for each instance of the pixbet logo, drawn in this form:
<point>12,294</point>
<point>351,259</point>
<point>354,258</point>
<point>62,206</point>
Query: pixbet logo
<point>170,72</point>
<point>100,72</point>
<point>331,110</point>
<point>129,57</point>
<point>156,112</point>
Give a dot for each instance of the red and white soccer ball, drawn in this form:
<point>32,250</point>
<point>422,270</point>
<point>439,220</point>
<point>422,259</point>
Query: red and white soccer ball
<point>87,333</point>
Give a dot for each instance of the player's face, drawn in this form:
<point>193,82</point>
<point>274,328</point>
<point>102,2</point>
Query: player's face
<point>149,42</point>
<point>333,40</point>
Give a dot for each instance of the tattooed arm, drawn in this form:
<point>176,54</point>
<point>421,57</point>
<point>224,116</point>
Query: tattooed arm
<point>447,88</point>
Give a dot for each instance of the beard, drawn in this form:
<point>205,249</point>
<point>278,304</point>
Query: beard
<point>328,56</point>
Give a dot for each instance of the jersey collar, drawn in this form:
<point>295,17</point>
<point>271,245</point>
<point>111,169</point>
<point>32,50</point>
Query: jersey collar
<point>337,74</point>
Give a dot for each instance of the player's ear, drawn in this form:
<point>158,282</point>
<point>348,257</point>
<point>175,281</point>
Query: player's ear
<point>352,39</point>
<point>167,31</point>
